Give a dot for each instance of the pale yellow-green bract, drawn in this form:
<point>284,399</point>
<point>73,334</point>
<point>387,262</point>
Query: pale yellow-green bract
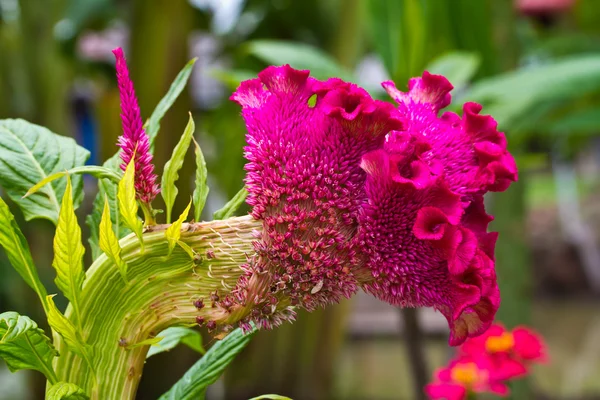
<point>128,206</point>
<point>109,243</point>
<point>68,252</point>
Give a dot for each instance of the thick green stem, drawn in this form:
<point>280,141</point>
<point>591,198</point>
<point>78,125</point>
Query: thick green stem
<point>161,293</point>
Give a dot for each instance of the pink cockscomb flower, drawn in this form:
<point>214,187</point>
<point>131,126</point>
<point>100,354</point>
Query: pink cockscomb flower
<point>305,140</point>
<point>353,192</point>
<point>424,226</point>
<point>521,344</point>
<point>134,139</point>
<point>465,376</point>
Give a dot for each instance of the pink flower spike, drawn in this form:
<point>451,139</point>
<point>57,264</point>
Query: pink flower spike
<point>134,139</point>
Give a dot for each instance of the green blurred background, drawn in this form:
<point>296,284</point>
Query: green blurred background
<point>534,64</point>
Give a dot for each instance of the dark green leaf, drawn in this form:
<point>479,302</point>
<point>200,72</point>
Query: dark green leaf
<point>171,171</point>
<point>152,126</point>
<point>209,368</point>
<point>25,346</point>
<point>28,154</point>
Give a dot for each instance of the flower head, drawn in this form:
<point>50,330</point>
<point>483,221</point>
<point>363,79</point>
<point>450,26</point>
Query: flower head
<point>353,192</point>
<point>134,140</point>
<point>306,185</point>
<point>486,363</point>
<point>462,377</point>
<point>521,344</point>
<point>424,226</point>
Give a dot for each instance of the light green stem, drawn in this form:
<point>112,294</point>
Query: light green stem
<point>161,293</point>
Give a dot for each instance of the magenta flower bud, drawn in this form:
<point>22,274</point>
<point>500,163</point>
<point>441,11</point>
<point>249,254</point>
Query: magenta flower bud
<point>134,139</point>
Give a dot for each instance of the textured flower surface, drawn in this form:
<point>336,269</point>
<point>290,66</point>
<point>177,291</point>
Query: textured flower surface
<point>354,192</point>
<point>134,139</point>
<point>424,226</point>
<point>306,185</point>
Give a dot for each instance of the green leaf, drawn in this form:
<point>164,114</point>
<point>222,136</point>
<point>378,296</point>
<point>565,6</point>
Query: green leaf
<point>172,336</point>
<point>270,397</point>
<point>458,66</point>
<point>128,205</point>
<point>68,252</point>
<point>512,96</point>
<point>152,126</point>
<point>66,330</point>
<point>28,154</point>
<point>201,190</point>
<point>232,205</point>
<point>171,171</point>
<point>173,233</point>
<point>98,172</point>
<point>66,391</point>
<point>106,188</point>
<point>582,122</point>
<point>209,368</point>
<point>299,56</point>
<point>25,346</point>
<point>17,250</point>
<point>109,243</point>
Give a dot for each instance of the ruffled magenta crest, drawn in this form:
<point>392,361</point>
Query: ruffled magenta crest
<point>306,185</point>
<point>353,192</point>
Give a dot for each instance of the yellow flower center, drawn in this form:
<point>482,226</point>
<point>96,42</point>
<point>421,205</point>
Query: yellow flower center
<point>504,342</point>
<point>465,373</point>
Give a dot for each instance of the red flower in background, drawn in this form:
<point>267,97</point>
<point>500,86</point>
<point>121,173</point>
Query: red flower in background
<point>486,363</point>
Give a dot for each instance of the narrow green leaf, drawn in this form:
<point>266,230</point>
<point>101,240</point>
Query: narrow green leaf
<point>271,397</point>
<point>28,154</point>
<point>172,336</point>
<point>109,242</point>
<point>17,250</point>
<point>171,171</point>
<point>106,188</point>
<point>66,391</point>
<point>68,252</point>
<point>209,368</point>
<point>201,190</point>
<point>128,205</point>
<point>458,66</point>
<point>98,172</point>
<point>173,233</point>
<point>61,325</point>
<point>232,205</point>
<point>299,56</point>
<point>152,126</point>
<point>25,346</point>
